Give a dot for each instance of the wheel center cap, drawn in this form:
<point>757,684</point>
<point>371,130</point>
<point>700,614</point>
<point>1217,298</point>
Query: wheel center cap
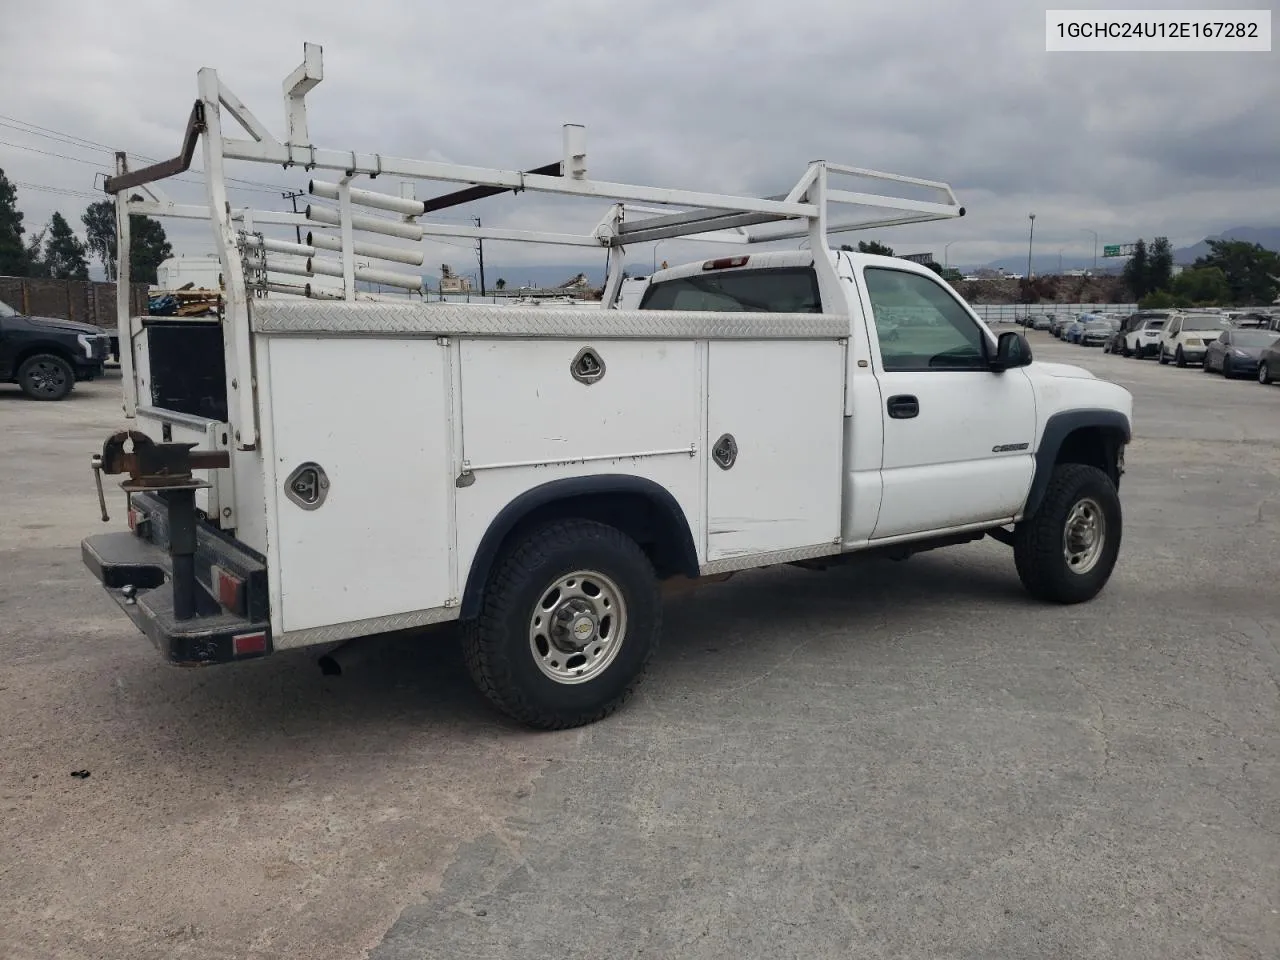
<point>583,628</point>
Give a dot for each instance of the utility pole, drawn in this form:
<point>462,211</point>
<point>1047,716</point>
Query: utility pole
<point>1095,247</point>
<point>292,197</point>
<point>480,254</point>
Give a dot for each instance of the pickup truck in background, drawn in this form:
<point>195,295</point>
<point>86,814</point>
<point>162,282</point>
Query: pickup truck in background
<point>46,356</point>
<point>541,474</point>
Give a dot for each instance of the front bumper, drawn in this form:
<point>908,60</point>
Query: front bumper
<point>136,569</point>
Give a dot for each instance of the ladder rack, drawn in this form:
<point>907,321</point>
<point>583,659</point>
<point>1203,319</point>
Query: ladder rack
<point>255,265</point>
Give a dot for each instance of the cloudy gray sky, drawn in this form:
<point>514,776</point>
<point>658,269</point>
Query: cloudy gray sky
<point>725,95</point>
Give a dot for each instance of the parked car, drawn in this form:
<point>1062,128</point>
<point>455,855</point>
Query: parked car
<point>1238,352</point>
<point>1252,321</point>
<point>1141,334</point>
<point>1099,332</point>
<point>1042,321</point>
<point>45,356</point>
<point>1269,362</point>
<point>1186,337</point>
<point>1075,332</point>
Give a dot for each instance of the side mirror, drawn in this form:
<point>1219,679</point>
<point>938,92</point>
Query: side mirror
<point>1012,350</point>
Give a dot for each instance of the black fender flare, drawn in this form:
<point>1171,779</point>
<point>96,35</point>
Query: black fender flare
<point>569,488</point>
<point>1056,430</point>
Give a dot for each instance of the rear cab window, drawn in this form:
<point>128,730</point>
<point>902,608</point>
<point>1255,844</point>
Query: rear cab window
<point>771,290</point>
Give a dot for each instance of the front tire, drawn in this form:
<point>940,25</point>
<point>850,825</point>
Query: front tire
<point>1164,360</point>
<point>1264,374</point>
<point>1227,370</point>
<point>1179,360</point>
<point>46,376</point>
<point>1066,551</point>
<point>569,621</point>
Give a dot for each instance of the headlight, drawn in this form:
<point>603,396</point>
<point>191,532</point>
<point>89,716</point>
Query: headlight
<point>86,343</point>
<point>1239,354</point>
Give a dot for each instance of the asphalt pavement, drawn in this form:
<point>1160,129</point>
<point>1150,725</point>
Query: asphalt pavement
<point>883,760</point>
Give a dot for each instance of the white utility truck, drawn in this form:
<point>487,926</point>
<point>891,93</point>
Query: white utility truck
<point>310,469</point>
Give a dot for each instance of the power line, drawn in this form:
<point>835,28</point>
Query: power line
<point>47,153</point>
<point>84,143</point>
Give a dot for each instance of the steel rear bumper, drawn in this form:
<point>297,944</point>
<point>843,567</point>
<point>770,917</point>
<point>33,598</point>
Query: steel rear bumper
<point>136,569</point>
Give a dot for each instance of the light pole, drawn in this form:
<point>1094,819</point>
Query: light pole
<point>1030,237</point>
<point>655,254</point>
<point>1095,246</point>
<point>945,247</point>
<point>1060,249</point>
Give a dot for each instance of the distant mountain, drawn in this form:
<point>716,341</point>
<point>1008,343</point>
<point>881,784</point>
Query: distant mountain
<point>1268,237</point>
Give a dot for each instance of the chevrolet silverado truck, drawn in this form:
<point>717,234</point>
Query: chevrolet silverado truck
<point>542,474</point>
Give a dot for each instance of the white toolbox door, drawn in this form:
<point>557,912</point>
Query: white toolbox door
<point>374,415</point>
<point>783,404</point>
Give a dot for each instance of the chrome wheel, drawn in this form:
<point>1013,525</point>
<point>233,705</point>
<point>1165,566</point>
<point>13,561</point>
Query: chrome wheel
<point>1083,536</point>
<point>578,627</point>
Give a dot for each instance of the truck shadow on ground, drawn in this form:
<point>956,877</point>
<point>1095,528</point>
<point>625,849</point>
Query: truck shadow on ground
<point>415,685</point>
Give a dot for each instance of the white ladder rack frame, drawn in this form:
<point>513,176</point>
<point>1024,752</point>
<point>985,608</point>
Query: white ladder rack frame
<point>801,212</point>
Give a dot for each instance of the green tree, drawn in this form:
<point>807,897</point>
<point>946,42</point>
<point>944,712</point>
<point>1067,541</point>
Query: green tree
<point>99,221</point>
<point>1250,269</point>
<point>1137,271</point>
<point>33,255</point>
<point>13,255</point>
<point>1162,300</point>
<point>1202,286</point>
<point>952,275</point>
<point>874,246</point>
<point>63,252</point>
<point>1159,265</point>
<point>148,245</point>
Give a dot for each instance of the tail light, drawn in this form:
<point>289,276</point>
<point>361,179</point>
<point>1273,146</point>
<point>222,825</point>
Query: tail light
<point>243,644</point>
<point>724,263</point>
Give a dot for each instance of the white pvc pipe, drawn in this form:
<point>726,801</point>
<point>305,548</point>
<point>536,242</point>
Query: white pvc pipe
<point>368,198</point>
<point>281,246</point>
<point>289,267</point>
<point>376,250</point>
<point>305,290</point>
<point>388,228</point>
<point>333,268</point>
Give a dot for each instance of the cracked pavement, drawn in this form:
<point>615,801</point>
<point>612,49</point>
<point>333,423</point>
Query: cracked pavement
<point>884,760</point>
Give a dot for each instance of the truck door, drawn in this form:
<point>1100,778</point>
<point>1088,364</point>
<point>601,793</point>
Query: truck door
<point>957,436</point>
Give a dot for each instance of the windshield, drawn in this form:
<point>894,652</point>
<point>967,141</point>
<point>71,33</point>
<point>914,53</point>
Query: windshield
<point>1253,338</point>
<point>6,310</point>
<point>784,290</point>
<point>1203,322</point>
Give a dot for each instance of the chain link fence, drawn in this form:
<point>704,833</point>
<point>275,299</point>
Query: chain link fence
<point>1010,312</point>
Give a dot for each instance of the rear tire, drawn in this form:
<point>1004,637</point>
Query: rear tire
<point>46,376</point>
<point>557,598</point>
<point>1066,551</point>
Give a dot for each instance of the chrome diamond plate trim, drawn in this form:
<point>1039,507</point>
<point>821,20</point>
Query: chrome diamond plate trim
<point>483,320</point>
<point>333,633</point>
<point>749,561</point>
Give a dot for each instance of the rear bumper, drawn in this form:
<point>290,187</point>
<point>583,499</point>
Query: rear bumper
<point>136,569</point>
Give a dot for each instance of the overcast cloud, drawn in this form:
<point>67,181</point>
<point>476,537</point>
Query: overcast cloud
<point>726,95</point>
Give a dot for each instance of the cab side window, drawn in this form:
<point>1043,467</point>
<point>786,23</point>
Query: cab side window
<point>920,325</point>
